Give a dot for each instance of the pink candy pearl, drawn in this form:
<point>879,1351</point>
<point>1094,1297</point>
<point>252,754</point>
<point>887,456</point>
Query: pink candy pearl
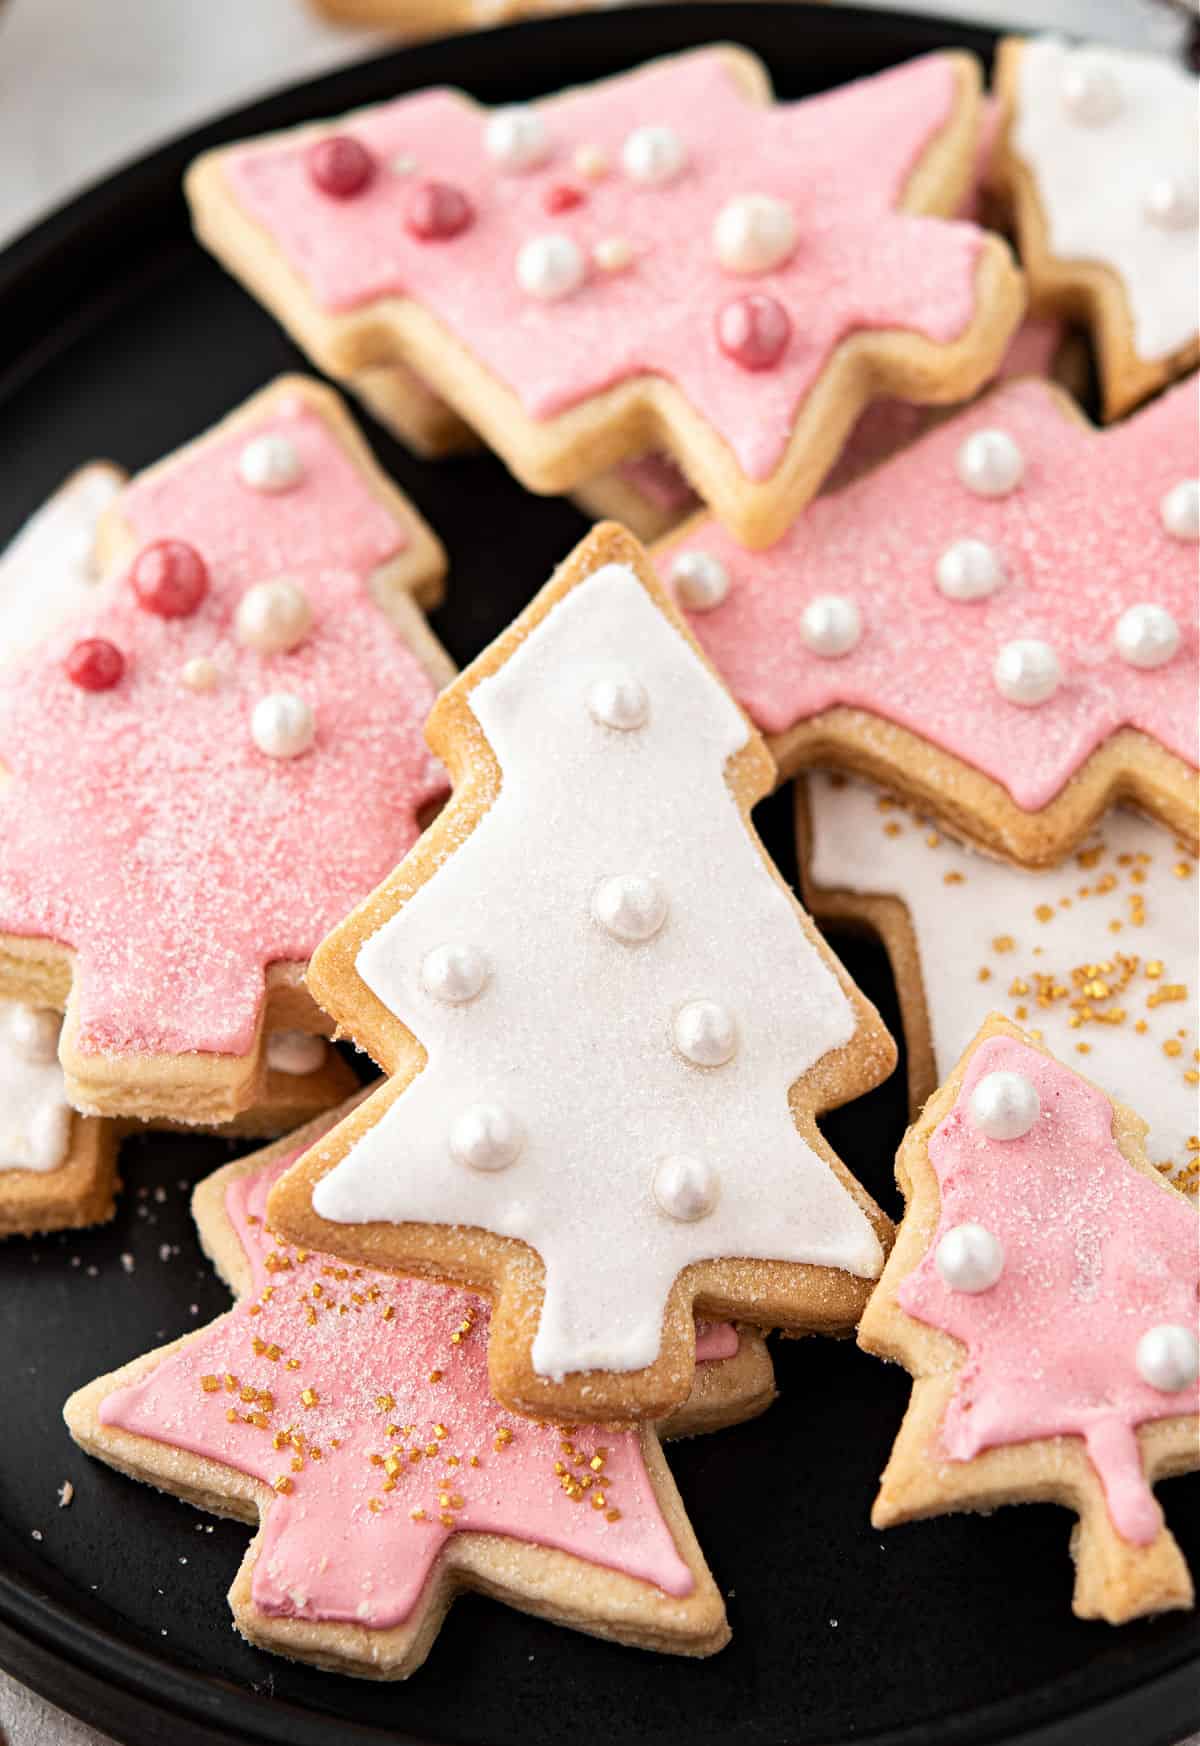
<point>340,166</point>
<point>436,211</point>
<point>753,331</point>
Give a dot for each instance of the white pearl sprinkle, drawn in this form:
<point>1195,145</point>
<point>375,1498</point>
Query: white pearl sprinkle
<point>33,1032</point>
<point>1147,635</point>
<point>1090,92</point>
<point>630,906</point>
<point>516,138</point>
<point>969,1258</point>
<point>270,463</point>
<point>754,234</point>
<point>486,1137</point>
<point>454,972</point>
<point>273,617</point>
<point>705,1033</point>
<point>613,254</point>
<point>1004,1105</point>
<point>700,580</point>
<point>199,674</point>
<point>618,700</point>
<point>990,464</point>
<point>654,155</point>
<point>1172,204</point>
<point>685,1188</point>
<point>1027,671</point>
<point>1180,510</point>
<point>550,267</point>
<point>1168,1357</point>
<point>830,626</point>
<point>969,570</point>
<point>282,725</point>
<point>295,1052</point>
<point>591,162</point>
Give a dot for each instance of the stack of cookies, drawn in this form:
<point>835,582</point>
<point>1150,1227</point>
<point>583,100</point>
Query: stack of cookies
<point>893,559</point>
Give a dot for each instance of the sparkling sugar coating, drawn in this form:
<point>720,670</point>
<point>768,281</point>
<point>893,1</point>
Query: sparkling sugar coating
<point>142,828</point>
<point>363,1400</point>
<point>573,1033</point>
<point>1096,957</point>
<point>1081,539</point>
<point>1095,1254</point>
<point>840,161</point>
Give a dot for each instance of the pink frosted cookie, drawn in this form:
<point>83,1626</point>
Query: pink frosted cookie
<point>603,1097</point>
<point>999,622</point>
<point>1097,156</point>
<point>1042,1292</point>
<point>212,761</point>
<point>599,273</point>
<point>348,1414</point>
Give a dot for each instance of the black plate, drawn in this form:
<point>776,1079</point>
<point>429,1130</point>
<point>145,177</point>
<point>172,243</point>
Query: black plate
<point>123,339</point>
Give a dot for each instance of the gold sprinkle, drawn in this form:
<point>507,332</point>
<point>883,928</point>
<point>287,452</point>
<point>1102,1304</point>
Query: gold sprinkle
<point>210,1384</point>
<point>309,1398</point>
<point>285,1483</point>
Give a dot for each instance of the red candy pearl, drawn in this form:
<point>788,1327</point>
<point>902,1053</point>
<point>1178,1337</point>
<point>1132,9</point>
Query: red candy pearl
<point>562,197</point>
<point>754,331</point>
<point>436,211</point>
<point>340,166</point>
<point>95,664</point>
<point>169,578</point>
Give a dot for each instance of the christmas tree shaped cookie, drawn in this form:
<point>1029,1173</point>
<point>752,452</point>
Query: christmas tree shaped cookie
<point>1042,1291</point>
<point>1098,160</point>
<point>348,1414</point>
<point>666,259</point>
<point>252,661</point>
<point>1000,622</point>
<point>57,1168</point>
<point>607,1022</point>
<point>1098,955</point>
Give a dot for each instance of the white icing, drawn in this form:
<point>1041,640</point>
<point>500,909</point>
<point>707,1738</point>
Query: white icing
<point>969,1258</point>
<point>1094,182</point>
<point>270,463</point>
<point>551,266</point>
<point>960,903</point>
<point>35,1117</point>
<point>46,573</point>
<point>282,725</point>
<point>830,626</point>
<point>990,464</point>
<point>1147,635</point>
<point>1004,1106</point>
<point>295,1052</point>
<point>1168,1357</point>
<point>573,1033</point>
<point>700,580</point>
<point>1027,671</point>
<point>273,617</point>
<point>654,155</point>
<point>754,234</point>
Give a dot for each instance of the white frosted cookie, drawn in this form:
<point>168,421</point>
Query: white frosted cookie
<point>47,571</point>
<point>1097,957</point>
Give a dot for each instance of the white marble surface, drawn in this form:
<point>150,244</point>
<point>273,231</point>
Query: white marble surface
<point>86,85</point>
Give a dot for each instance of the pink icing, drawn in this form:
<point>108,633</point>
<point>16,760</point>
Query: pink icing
<point>1081,539</point>
<point>658,480</point>
<point>143,828</point>
<point>326,1554</point>
<point>1095,1254</point>
<point>841,160</point>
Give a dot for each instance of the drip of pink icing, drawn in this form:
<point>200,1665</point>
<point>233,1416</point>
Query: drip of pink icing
<point>1081,539</point>
<point>326,1554</point>
<point>659,480</point>
<point>1094,1255</point>
<point>840,160</point>
<point>143,828</point>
